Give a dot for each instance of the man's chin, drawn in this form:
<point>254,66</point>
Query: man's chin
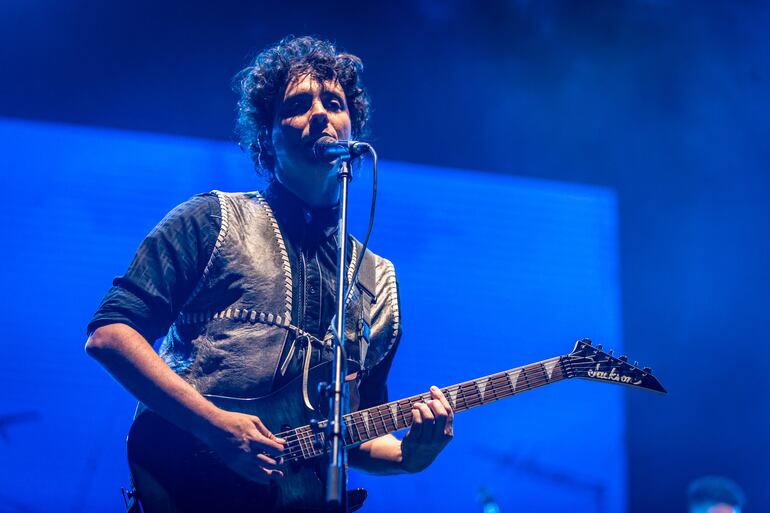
<point>320,169</point>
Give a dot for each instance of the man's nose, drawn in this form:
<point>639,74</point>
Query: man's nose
<point>319,118</point>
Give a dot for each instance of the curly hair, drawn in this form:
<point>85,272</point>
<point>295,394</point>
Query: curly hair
<point>265,79</point>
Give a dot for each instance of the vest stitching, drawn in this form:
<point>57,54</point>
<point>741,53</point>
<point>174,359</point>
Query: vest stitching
<point>352,266</point>
<point>390,276</point>
<point>223,229</point>
<point>286,266</point>
<point>253,317</point>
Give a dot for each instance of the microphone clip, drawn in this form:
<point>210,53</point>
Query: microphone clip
<point>327,148</point>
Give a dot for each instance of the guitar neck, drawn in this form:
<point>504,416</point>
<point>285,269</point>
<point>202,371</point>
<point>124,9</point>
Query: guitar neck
<point>368,424</point>
<point>585,361</point>
<point>387,418</point>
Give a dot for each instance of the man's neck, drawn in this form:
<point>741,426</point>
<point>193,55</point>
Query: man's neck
<point>294,210</point>
<point>312,195</point>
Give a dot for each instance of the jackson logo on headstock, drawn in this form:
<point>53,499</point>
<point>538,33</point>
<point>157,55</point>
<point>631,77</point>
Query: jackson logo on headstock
<point>611,376</point>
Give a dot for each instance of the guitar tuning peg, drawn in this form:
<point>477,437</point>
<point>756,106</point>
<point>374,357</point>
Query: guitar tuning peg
<point>587,341</point>
<point>598,347</point>
<point>636,364</point>
<point>623,358</point>
<point>648,370</point>
<point>610,352</point>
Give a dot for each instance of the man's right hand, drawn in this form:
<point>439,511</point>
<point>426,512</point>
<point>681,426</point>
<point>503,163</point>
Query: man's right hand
<point>242,441</point>
<point>246,445</point>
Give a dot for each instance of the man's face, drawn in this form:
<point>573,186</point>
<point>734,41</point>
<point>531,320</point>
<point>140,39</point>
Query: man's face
<point>307,111</point>
<point>711,507</point>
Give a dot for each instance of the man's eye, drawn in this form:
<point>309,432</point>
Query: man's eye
<point>294,107</point>
<point>334,105</point>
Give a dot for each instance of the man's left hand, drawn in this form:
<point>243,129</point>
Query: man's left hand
<point>431,431</point>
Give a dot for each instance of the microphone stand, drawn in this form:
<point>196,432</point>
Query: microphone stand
<point>336,476</point>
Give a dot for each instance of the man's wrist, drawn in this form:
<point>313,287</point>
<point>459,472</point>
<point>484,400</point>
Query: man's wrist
<point>407,461</point>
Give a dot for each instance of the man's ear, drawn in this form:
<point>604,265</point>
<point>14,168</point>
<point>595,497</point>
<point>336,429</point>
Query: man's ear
<point>266,141</point>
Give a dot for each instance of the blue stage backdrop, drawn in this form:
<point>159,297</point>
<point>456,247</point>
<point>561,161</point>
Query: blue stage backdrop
<point>495,272</point>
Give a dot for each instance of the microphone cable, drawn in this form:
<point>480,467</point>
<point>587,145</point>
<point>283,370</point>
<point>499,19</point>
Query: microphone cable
<point>370,149</point>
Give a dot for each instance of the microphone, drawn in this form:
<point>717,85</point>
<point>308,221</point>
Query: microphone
<point>328,148</point>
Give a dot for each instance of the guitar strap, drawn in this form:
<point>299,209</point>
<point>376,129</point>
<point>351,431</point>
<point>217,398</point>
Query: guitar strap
<point>366,285</point>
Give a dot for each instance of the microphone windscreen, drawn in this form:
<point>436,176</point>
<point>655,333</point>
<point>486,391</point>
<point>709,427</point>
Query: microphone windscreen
<point>322,146</point>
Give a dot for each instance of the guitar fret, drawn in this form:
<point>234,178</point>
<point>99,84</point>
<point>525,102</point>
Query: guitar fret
<point>373,423</point>
<point>354,426</point>
<point>315,451</point>
<point>384,419</point>
<point>310,440</point>
<point>525,375</point>
<point>506,385</point>
<point>451,396</point>
<point>293,445</point>
<point>379,424</point>
<point>376,421</point>
<point>302,443</point>
<point>404,410</point>
<point>350,426</point>
<point>466,394</point>
<point>548,369</point>
<point>493,382</point>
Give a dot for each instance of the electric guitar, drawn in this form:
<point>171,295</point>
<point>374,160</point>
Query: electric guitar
<point>175,472</point>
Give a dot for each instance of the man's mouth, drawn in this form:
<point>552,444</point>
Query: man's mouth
<point>311,140</point>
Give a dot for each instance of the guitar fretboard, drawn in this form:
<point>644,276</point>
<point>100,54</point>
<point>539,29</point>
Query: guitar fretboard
<point>368,424</point>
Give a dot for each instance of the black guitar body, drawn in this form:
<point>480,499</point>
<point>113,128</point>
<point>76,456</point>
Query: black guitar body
<point>175,472</point>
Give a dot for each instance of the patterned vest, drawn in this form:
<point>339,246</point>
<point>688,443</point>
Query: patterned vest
<point>230,334</point>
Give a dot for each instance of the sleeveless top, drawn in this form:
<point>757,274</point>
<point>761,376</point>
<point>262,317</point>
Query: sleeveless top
<point>229,336</point>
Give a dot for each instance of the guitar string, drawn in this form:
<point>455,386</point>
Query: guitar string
<point>305,434</point>
<point>471,400</point>
<point>427,394</point>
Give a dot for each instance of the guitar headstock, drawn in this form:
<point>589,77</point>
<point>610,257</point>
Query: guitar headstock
<point>587,361</point>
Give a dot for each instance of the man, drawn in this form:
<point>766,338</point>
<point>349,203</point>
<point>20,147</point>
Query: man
<point>243,284</point>
<point>715,494</point>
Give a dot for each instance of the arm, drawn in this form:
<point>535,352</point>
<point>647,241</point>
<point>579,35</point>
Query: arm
<point>431,431</point>
<point>140,307</point>
<point>240,439</point>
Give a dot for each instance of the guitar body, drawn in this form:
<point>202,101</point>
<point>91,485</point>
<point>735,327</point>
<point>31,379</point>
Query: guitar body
<point>175,472</point>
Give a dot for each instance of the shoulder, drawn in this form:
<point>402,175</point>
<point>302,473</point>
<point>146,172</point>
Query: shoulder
<point>213,208</point>
<point>192,228</point>
<point>200,209</point>
<point>377,275</point>
<point>227,202</point>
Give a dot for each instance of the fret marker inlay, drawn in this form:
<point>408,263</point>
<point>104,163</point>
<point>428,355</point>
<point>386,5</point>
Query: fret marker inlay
<point>394,412</point>
<point>514,377</point>
<point>549,368</point>
<point>482,386</point>
<point>365,417</point>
